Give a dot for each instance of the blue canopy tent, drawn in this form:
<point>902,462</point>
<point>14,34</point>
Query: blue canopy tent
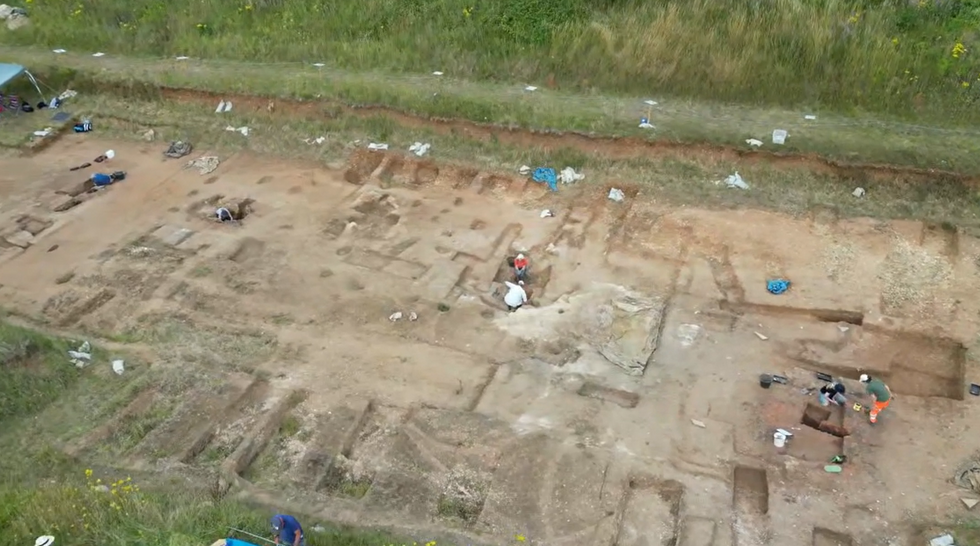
<point>10,72</point>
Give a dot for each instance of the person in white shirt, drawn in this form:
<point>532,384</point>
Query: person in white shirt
<point>515,296</point>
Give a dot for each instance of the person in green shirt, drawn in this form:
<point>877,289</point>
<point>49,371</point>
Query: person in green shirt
<point>880,392</point>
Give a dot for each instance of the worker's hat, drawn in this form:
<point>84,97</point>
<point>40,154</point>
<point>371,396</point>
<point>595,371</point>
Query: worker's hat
<point>865,378</point>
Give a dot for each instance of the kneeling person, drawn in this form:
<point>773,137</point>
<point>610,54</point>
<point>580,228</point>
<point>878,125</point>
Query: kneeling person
<point>833,393</point>
<point>287,531</point>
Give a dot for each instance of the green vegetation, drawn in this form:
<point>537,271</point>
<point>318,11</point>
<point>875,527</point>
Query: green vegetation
<point>108,510</point>
<point>900,57</point>
<point>966,531</point>
<point>338,93</point>
<point>34,368</point>
<point>46,401</point>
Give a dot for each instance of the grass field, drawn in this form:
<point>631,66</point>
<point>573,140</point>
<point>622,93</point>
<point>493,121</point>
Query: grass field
<point>906,58</point>
<point>848,139</point>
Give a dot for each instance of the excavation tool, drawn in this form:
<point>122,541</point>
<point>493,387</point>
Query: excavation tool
<point>263,539</point>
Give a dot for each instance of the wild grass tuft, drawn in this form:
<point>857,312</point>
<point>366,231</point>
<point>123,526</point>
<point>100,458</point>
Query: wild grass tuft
<point>34,369</point>
<point>92,507</point>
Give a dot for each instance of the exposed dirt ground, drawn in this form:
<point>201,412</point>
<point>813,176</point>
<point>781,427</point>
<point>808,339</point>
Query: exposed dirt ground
<point>623,407</point>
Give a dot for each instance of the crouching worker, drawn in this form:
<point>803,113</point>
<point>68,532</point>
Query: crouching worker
<point>224,215</point>
<point>234,213</point>
<point>515,296</point>
<point>833,393</point>
<point>287,531</point>
<point>520,267</point>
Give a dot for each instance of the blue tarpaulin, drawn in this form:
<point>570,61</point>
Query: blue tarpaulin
<point>10,71</point>
<point>237,542</point>
<point>547,176</point>
<point>777,286</point>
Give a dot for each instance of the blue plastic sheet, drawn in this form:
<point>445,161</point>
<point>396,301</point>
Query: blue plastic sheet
<point>777,286</point>
<point>100,179</point>
<point>546,175</point>
<point>237,542</point>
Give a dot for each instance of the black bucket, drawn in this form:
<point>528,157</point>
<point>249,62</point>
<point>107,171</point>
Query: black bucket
<point>765,381</point>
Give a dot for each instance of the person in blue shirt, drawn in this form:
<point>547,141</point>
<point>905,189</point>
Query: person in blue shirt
<point>287,531</point>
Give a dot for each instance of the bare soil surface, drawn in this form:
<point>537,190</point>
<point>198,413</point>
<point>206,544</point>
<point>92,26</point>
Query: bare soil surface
<point>622,406</point>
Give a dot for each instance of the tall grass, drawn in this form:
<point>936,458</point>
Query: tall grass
<point>111,510</point>
<point>897,56</point>
<point>34,369</point>
<point>772,51</point>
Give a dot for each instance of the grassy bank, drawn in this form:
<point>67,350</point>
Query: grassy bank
<point>843,138</point>
<point>110,509</point>
<point>46,401</point>
<point>35,371</point>
<point>905,58</point>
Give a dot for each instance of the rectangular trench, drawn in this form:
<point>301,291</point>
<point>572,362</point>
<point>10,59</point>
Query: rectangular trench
<point>751,491</point>
<point>912,364</point>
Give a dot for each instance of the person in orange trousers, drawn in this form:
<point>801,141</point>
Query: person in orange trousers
<point>880,392</point>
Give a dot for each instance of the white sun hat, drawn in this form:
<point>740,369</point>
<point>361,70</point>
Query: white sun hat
<point>45,540</point>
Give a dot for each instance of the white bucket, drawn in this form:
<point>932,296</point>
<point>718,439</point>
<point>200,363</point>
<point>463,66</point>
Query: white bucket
<point>779,136</point>
<point>779,439</point>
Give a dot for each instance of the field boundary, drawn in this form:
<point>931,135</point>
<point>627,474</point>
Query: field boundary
<point>846,144</point>
<point>611,147</point>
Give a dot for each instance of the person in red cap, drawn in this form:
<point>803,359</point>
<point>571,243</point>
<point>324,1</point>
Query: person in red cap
<point>520,267</point>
